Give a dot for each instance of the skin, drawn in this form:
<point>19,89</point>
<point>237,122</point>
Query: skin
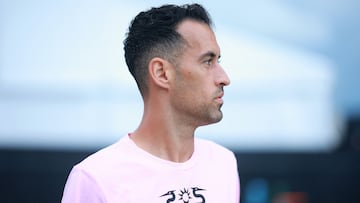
<point>183,97</point>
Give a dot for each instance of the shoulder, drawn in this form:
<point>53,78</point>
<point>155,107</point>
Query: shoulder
<point>97,171</point>
<point>105,159</point>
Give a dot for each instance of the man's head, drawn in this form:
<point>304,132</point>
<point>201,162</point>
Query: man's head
<point>153,34</point>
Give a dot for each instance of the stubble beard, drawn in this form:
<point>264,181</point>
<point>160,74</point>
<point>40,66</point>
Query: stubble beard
<point>199,114</point>
<point>210,115</point>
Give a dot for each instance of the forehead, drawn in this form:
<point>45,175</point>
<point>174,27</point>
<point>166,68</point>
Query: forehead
<point>199,36</point>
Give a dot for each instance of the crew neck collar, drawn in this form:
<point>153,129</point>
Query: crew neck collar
<point>178,165</point>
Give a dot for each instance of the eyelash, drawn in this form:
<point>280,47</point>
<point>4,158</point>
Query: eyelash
<point>209,61</point>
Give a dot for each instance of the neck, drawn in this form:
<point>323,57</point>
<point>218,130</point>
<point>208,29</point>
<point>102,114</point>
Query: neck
<point>164,137</point>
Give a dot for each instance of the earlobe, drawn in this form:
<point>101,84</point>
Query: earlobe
<point>158,71</point>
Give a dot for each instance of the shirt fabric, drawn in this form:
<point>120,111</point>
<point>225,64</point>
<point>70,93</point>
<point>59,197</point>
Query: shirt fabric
<point>125,173</point>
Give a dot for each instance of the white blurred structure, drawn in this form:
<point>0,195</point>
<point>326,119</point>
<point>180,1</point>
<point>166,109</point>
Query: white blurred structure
<point>64,82</point>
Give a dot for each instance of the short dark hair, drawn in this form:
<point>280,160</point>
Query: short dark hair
<point>153,33</point>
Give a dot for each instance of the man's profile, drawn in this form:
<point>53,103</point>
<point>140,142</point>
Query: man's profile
<point>172,53</point>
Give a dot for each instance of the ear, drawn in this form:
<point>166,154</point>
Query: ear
<point>159,72</point>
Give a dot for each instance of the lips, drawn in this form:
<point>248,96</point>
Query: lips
<point>221,95</point>
<point>219,98</point>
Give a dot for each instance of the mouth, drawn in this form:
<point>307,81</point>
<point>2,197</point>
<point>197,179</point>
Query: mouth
<point>219,98</point>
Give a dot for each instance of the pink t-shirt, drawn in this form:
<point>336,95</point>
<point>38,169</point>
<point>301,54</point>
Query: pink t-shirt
<point>124,173</point>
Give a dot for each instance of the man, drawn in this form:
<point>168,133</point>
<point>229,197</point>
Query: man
<point>172,53</point>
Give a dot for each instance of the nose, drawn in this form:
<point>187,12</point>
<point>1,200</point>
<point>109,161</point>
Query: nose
<point>222,79</point>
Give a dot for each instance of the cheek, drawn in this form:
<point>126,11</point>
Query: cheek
<point>191,84</point>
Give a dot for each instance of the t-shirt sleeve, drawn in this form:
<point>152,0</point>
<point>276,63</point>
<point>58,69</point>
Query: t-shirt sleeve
<point>80,187</point>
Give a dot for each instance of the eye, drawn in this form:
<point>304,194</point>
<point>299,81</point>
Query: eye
<point>208,62</point>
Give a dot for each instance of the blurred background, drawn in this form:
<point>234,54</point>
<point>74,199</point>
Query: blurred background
<point>291,113</point>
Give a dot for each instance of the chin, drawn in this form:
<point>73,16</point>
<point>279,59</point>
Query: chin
<point>217,118</point>
<point>211,120</point>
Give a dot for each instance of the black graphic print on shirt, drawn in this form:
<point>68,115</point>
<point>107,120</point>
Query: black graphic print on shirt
<point>185,195</point>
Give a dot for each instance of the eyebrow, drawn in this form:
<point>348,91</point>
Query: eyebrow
<point>208,54</point>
